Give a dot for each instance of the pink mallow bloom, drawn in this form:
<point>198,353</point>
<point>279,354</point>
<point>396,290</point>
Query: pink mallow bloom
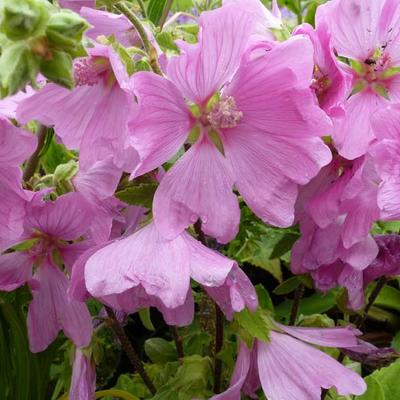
<point>386,125</point>
<point>145,269</point>
<point>261,133</point>
<point>336,212</point>
<point>16,146</point>
<point>288,368</point>
<point>387,263</point>
<point>330,83</point>
<point>93,117</point>
<point>49,229</point>
<point>366,32</point>
<point>83,381</point>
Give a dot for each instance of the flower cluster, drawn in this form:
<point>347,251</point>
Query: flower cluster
<point>304,130</point>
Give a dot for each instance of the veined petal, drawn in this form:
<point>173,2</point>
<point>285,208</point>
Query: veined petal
<point>15,270</point>
<point>162,123</point>
<point>211,63</point>
<point>199,185</point>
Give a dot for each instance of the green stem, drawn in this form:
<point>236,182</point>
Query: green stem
<point>142,8</point>
<point>148,47</point>
<point>164,15</point>
<point>34,159</point>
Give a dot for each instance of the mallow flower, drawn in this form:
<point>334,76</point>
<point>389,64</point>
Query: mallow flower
<point>336,211</point>
<point>76,5</point>
<point>287,367</point>
<point>365,32</point>
<point>252,119</point>
<point>355,281</point>
<point>49,230</point>
<point>145,269</point>
<point>83,380</point>
<point>16,146</point>
<point>93,117</point>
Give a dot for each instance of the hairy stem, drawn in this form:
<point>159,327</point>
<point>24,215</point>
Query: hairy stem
<point>178,341</point>
<point>219,341</point>
<point>164,15</point>
<point>142,8</point>
<point>129,350</point>
<point>34,159</point>
<point>148,47</point>
<point>298,295</point>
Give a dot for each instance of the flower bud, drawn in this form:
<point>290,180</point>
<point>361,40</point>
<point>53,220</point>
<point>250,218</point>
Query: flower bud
<point>63,175</point>
<point>17,67</point>
<point>24,18</point>
<point>58,69</point>
<point>65,29</point>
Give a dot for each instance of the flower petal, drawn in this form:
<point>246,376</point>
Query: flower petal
<point>199,185</point>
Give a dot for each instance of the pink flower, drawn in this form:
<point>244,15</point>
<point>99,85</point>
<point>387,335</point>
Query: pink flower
<point>355,281</point>
<point>366,32</point>
<point>386,124</point>
<point>50,226</point>
<point>330,83</point>
<point>287,368</point>
<point>93,117</point>
<point>76,5</point>
<point>16,146</point>
<point>83,382</point>
<point>145,269</point>
<point>336,212</point>
<point>261,134</point>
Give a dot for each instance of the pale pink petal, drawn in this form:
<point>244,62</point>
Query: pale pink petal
<point>386,122</point>
<point>224,34</point>
<point>83,380</point>
<point>361,254</point>
<point>353,25</point>
<point>235,294</point>
<point>162,124</point>
<point>327,337</point>
<point>16,145</point>
<point>68,111</point>
<point>66,218</point>
<point>8,105</point>
<point>145,258</point>
<point>352,280</point>
<point>239,376</point>
<point>15,270</point>
<point>76,5</point>
<point>292,370</point>
<point>99,181</point>
<point>353,133</point>
<point>199,185</point>
<point>389,30</point>
<point>107,24</point>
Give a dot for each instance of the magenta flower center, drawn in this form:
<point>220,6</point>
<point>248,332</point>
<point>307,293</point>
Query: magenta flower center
<point>224,114</point>
<point>320,82</point>
<point>90,70</point>
<point>375,67</point>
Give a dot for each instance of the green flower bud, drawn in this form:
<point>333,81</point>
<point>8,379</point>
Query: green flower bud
<point>63,175</point>
<point>22,19</point>
<point>58,69</point>
<point>65,30</point>
<point>18,66</point>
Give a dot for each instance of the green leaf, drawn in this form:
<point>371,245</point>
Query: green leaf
<point>55,155</point>
<point>389,297</point>
<point>138,195</point>
<point>284,244</point>
<point>264,299</point>
<point>155,10</point>
<point>383,384</point>
<point>160,350</point>
<point>257,324</point>
<point>145,317</point>
<point>289,286</point>
<point>315,304</point>
<point>166,43</point>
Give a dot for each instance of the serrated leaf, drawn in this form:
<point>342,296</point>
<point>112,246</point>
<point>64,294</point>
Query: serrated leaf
<point>264,299</point>
<point>257,323</point>
<point>138,195</point>
<point>284,245</point>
